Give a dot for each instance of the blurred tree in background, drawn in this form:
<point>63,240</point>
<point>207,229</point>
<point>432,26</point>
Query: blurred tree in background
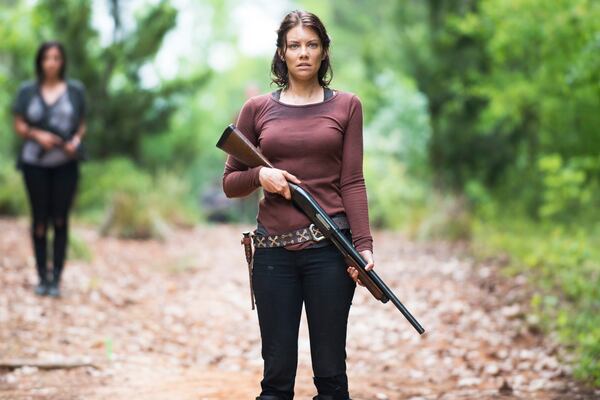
<point>512,88</point>
<point>124,112</point>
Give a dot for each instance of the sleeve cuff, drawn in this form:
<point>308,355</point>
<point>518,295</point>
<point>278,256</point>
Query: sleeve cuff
<point>254,176</point>
<point>366,244</point>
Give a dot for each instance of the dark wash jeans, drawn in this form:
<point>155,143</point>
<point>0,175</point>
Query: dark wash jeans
<point>51,191</point>
<point>283,280</point>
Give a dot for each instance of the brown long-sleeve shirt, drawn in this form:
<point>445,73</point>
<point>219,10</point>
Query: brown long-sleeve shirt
<point>319,143</point>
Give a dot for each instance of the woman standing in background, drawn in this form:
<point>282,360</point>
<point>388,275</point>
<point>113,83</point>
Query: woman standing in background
<point>49,116</point>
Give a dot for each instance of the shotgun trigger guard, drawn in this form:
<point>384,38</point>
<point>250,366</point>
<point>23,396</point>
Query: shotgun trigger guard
<point>316,235</point>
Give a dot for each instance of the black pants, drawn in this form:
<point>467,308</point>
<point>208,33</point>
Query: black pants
<point>283,280</point>
<point>51,191</point>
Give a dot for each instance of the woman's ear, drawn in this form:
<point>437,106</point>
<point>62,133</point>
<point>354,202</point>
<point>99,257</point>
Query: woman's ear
<point>281,55</point>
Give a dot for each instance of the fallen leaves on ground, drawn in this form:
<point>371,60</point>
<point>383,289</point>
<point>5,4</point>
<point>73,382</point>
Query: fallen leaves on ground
<point>171,319</point>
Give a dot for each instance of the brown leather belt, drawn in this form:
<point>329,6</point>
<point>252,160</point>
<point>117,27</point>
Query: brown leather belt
<point>301,235</point>
<point>298,236</point>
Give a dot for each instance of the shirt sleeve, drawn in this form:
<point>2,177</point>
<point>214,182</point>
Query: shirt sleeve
<point>19,106</point>
<point>77,90</point>
<point>238,179</point>
<point>352,182</point>
<point>82,102</point>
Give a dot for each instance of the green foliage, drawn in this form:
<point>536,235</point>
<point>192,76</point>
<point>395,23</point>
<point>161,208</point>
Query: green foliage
<point>100,180</point>
<point>566,188</point>
<point>16,65</point>
<point>396,200</point>
<point>480,200</point>
<point>507,90</point>
<point>395,167</point>
<point>400,128</point>
<point>130,202</point>
<point>78,248</point>
<point>130,216</point>
<point>121,110</point>
<point>13,199</point>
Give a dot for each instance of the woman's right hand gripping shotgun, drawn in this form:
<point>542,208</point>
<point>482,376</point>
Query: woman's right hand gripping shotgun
<point>234,143</point>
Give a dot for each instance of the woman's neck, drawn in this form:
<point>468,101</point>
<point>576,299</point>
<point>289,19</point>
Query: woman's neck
<point>51,81</point>
<point>302,92</point>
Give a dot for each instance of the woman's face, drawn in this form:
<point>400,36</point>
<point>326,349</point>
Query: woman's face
<point>304,53</point>
<point>52,62</point>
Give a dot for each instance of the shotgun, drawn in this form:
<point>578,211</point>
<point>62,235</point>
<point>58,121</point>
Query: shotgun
<point>234,143</point>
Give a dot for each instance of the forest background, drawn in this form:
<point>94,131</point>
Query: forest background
<point>481,120</point>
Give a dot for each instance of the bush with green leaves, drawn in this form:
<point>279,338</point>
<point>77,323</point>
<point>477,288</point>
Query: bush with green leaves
<point>567,190</point>
<point>396,200</point>
<point>395,142</point>
<point>13,198</point>
<point>130,202</point>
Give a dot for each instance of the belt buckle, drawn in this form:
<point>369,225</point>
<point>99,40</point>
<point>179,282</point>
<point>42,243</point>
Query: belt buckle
<point>315,233</point>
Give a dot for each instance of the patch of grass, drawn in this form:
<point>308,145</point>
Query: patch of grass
<point>79,249</point>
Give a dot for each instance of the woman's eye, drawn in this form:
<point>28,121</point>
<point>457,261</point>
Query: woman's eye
<point>293,46</point>
<point>313,45</point>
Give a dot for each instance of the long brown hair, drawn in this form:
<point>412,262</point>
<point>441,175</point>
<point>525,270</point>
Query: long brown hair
<point>279,69</point>
<point>39,59</point>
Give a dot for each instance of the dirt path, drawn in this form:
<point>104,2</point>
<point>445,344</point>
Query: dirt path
<point>172,320</point>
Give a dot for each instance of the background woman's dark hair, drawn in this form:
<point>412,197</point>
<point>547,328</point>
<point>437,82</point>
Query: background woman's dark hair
<point>279,69</point>
<point>39,58</point>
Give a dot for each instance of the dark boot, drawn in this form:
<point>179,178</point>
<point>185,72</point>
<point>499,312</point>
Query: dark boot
<point>54,290</point>
<point>42,288</point>
<point>54,286</point>
<point>332,388</point>
<point>39,247</point>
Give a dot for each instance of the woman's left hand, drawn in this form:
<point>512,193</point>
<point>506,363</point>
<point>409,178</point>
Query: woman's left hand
<point>353,272</point>
<point>71,147</point>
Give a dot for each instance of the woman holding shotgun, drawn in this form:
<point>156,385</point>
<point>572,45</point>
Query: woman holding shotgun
<point>313,136</point>
<point>49,117</point>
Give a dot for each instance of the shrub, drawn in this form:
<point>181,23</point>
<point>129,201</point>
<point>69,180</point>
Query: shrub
<point>129,202</point>
<point>13,198</point>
